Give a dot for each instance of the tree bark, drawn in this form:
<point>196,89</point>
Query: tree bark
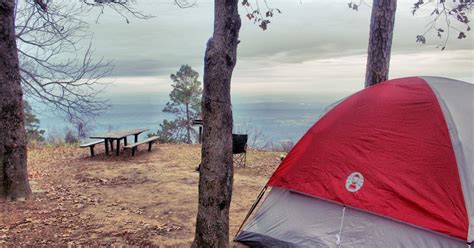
<point>13,172</point>
<point>380,41</point>
<point>216,171</point>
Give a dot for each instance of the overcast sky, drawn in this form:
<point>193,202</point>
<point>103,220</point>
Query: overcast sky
<point>314,49</point>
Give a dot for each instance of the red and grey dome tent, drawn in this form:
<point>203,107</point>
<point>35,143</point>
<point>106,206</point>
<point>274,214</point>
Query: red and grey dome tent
<point>389,166</point>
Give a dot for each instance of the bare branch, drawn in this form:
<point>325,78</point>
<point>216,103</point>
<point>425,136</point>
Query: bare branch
<point>54,69</point>
<point>453,16</point>
<point>41,4</point>
<point>259,15</point>
<point>121,7</point>
<point>184,4</point>
<point>355,5</point>
<point>447,16</point>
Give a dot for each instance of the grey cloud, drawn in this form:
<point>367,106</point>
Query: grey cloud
<point>143,67</point>
<point>303,32</point>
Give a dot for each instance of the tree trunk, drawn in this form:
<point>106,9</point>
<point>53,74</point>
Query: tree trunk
<point>380,41</point>
<point>216,171</point>
<point>13,172</point>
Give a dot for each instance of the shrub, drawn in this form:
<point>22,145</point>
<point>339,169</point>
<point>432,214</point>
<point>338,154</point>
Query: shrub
<point>70,138</point>
<point>33,133</point>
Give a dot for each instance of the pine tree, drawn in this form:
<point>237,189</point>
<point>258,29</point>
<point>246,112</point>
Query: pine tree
<point>185,104</point>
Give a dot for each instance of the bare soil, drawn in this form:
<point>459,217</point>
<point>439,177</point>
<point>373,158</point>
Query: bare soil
<point>146,200</point>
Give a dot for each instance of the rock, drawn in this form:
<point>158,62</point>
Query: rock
<point>79,205</point>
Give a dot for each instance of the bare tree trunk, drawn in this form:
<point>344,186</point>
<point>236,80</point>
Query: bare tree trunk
<point>188,125</point>
<point>13,172</point>
<point>380,41</point>
<point>216,171</point>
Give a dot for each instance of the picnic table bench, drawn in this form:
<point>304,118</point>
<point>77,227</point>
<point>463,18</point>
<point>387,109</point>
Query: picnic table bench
<point>91,145</point>
<point>110,137</point>
<point>134,146</point>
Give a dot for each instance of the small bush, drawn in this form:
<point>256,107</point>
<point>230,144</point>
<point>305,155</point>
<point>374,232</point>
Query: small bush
<point>287,145</point>
<point>32,123</point>
<point>54,138</point>
<point>70,138</point>
<point>283,146</point>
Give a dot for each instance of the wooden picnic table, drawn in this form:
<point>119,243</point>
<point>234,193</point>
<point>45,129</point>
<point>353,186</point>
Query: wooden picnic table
<point>117,136</point>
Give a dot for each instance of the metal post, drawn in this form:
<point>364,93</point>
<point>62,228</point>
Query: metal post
<point>118,147</point>
<point>107,147</point>
<point>200,134</point>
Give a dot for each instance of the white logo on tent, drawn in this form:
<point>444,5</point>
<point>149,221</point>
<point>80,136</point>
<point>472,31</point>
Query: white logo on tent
<point>354,182</point>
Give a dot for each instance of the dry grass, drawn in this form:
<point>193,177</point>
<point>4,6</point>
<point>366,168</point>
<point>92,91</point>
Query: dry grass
<point>146,200</point>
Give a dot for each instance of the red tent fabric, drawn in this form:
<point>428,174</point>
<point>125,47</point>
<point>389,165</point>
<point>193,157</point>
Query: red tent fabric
<point>389,166</point>
<point>401,147</point>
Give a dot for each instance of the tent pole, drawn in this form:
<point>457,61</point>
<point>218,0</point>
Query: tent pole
<point>254,205</point>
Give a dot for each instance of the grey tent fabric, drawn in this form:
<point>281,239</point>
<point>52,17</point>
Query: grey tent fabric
<point>288,219</point>
<point>457,103</point>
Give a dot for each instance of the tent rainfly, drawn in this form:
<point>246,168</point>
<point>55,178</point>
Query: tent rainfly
<point>389,166</point>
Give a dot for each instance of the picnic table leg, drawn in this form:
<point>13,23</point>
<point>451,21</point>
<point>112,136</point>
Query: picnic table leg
<point>136,138</point>
<point>111,144</point>
<point>118,147</point>
<point>149,145</point>
<point>106,147</point>
<point>92,150</point>
<point>125,141</point>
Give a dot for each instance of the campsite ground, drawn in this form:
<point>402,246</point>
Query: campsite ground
<point>146,200</point>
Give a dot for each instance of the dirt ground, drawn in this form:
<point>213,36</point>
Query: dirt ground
<point>146,200</point>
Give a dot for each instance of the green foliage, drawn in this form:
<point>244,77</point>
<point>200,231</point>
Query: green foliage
<point>170,132</point>
<point>185,104</point>
<point>33,132</point>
